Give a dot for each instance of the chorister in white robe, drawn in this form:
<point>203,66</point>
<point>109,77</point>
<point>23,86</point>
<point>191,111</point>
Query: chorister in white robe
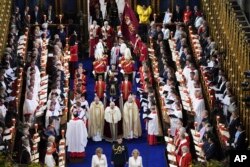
<point>198,108</point>
<point>152,125</point>
<point>76,136</point>
<point>29,108</point>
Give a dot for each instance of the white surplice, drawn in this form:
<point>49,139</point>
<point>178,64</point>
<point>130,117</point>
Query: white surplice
<point>76,136</point>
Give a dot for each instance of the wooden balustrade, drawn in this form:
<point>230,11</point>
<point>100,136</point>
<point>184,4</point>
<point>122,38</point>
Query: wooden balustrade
<point>230,29</point>
<point>5,15</point>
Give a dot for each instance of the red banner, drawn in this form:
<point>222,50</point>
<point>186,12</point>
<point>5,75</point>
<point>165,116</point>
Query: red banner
<point>129,26</point>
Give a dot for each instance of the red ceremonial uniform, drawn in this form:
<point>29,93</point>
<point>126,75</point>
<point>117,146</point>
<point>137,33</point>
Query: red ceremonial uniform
<point>127,66</point>
<point>100,88</point>
<point>183,142</point>
<point>126,87</point>
<point>107,34</point>
<point>144,53</point>
<point>94,33</point>
<point>187,16</point>
<point>184,160</point>
<point>99,66</point>
<point>73,53</point>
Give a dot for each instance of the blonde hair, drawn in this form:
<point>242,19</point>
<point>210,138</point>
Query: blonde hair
<point>51,139</point>
<point>99,150</point>
<point>135,151</point>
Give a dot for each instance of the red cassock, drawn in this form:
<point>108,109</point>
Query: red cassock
<point>73,53</point>
<point>127,66</point>
<point>126,87</point>
<point>185,160</point>
<point>99,66</point>
<point>107,34</point>
<point>177,139</point>
<point>187,16</point>
<point>183,142</point>
<point>80,75</point>
<point>100,88</point>
<point>144,52</point>
<point>94,33</point>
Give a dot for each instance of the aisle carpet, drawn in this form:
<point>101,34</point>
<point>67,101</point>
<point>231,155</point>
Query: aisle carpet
<point>153,156</point>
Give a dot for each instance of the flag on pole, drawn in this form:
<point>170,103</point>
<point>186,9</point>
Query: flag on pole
<point>129,26</point>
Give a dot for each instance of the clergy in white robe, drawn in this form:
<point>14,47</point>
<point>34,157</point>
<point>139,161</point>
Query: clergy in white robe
<point>114,55</point>
<point>198,106</point>
<point>96,120</point>
<point>153,126</point>
<point>131,120</point>
<point>76,137</point>
<point>29,108</point>
<point>112,117</point>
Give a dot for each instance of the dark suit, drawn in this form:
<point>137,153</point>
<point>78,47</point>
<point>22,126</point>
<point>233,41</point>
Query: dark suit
<point>50,16</point>
<point>119,155</point>
<point>222,88</point>
<point>232,127</point>
<point>241,141</point>
<point>25,156</point>
<point>36,17</point>
<point>210,152</point>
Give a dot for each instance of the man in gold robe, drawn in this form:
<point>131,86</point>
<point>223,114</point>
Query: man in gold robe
<point>131,119</point>
<point>96,120</point>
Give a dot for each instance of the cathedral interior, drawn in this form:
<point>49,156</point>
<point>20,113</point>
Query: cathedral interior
<point>100,83</point>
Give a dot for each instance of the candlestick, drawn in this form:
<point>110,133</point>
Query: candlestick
<point>62,133</point>
<point>14,121</point>
<point>44,17</point>
<point>60,18</point>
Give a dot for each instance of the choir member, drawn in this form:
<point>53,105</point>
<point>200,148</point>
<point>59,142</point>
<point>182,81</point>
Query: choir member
<point>153,126</point>
<point>54,114</point>
<point>29,108</point>
<point>198,106</point>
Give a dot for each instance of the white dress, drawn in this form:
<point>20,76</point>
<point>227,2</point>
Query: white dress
<point>132,162</point>
<point>99,162</point>
<point>49,161</point>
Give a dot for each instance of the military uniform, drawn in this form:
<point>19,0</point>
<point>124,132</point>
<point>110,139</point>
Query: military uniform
<point>119,155</point>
